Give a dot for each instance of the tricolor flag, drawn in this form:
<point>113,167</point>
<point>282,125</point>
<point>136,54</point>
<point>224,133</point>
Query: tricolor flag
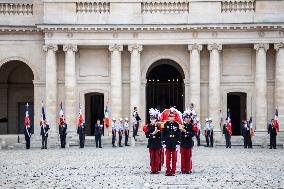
<point>27,118</point>
<point>42,116</point>
<point>229,123</point>
<point>80,117</point>
<point>250,127</point>
<point>62,118</point>
<point>275,121</point>
<point>106,118</point>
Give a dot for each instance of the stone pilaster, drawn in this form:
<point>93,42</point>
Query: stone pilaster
<point>194,75</point>
<point>260,87</point>
<point>135,76</point>
<point>116,81</point>
<point>279,80</point>
<point>70,87</point>
<point>51,86</point>
<point>214,84</point>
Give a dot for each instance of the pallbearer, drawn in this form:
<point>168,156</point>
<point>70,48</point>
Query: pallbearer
<point>171,141</point>
<point>126,130</point>
<point>81,128</point>
<point>28,129</point>
<point>153,133</point>
<point>188,131</point>
<point>62,127</point>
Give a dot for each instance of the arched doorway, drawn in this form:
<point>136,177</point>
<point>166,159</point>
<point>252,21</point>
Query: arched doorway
<point>237,103</point>
<point>94,109</point>
<point>165,87</point>
<point>16,89</point>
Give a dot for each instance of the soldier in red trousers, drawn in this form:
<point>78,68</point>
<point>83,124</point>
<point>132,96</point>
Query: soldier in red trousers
<point>171,141</point>
<point>153,133</point>
<point>188,131</point>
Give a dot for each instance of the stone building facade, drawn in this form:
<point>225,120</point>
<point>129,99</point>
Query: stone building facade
<point>227,54</point>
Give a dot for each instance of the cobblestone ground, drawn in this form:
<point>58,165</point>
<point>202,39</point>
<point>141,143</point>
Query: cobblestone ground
<point>128,167</point>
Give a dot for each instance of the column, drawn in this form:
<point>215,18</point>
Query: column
<point>279,80</point>
<point>194,75</point>
<point>260,87</point>
<point>70,87</point>
<point>214,84</point>
<point>135,76</point>
<point>51,86</point>
<point>116,81</point>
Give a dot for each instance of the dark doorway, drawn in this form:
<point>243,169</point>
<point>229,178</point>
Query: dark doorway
<point>236,102</point>
<point>94,109</point>
<point>165,87</point>
<point>22,115</point>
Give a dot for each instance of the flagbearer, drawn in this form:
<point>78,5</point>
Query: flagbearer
<point>171,141</point>
<point>247,134</point>
<point>188,131</point>
<point>28,129</point>
<point>81,128</point>
<point>153,133</point>
<point>44,134</point>
<point>273,133</point>
<point>62,133</point>
<point>126,131</point>
<point>227,132</point>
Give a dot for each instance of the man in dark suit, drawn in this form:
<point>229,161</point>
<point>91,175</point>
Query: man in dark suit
<point>44,134</point>
<point>63,133</point>
<point>98,133</point>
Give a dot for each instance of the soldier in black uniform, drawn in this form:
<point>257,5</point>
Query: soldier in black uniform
<point>273,133</point>
<point>227,134</point>
<point>186,143</point>
<point>98,133</point>
<point>44,135</point>
<point>81,132</point>
<point>28,134</point>
<point>171,141</point>
<point>63,133</point>
<point>153,133</point>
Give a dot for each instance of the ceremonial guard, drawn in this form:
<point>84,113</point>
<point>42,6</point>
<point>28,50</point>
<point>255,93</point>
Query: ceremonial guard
<point>153,133</point>
<point>171,141</point>
<point>98,134</point>
<point>227,133</point>
<point>137,122</point>
<point>207,131</point>
<point>44,134</point>
<point>126,130</point>
<point>246,134</point>
<point>197,134</point>
<point>273,133</point>
<point>113,131</point>
<point>120,131</point>
<point>211,128</point>
<point>63,133</point>
<point>28,128</point>
<point>188,131</point>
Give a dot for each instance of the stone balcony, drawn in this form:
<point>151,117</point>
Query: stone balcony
<point>32,12</point>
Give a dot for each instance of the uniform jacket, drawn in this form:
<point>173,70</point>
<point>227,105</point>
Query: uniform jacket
<point>186,137</point>
<point>44,130</point>
<point>272,130</point>
<point>98,130</point>
<point>171,134</point>
<point>63,130</point>
<point>154,141</point>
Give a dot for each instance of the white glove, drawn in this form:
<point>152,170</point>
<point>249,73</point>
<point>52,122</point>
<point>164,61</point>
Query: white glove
<point>177,147</point>
<point>164,146</point>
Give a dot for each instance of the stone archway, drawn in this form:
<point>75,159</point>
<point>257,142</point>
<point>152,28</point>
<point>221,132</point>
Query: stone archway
<point>165,86</point>
<point>16,89</point>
